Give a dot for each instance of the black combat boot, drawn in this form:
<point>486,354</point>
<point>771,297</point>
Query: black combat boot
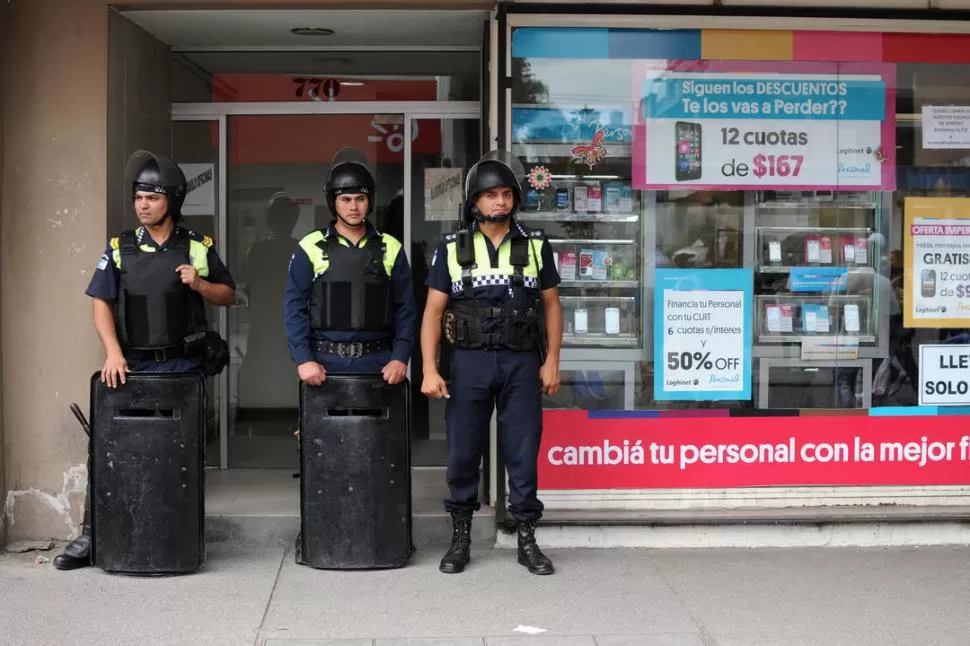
<point>529,553</point>
<point>77,554</point>
<point>458,555</point>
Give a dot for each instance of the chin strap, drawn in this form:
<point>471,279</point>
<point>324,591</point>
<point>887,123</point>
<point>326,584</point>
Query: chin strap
<point>481,217</point>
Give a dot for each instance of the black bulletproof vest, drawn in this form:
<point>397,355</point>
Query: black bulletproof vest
<point>155,310</point>
<point>521,328</point>
<point>354,293</point>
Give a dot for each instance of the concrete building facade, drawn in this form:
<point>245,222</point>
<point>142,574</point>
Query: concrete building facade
<point>83,86</point>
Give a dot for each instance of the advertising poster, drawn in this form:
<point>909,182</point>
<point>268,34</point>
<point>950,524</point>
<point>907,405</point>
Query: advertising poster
<point>736,127</point>
<point>937,256</point>
<point>596,450</point>
<point>702,337</point>
<point>944,375</point>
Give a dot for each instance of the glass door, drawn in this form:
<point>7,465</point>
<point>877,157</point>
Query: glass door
<point>236,165</point>
<point>270,155</point>
<point>443,151</point>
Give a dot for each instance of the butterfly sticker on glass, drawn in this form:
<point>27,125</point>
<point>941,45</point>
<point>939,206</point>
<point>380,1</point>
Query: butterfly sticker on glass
<point>592,154</point>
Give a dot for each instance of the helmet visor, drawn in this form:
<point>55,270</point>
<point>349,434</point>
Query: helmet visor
<point>169,174</point>
<point>509,160</point>
<point>353,155</point>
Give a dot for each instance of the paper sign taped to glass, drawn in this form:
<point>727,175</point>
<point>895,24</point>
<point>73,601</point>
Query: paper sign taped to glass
<point>200,194</point>
<point>442,194</point>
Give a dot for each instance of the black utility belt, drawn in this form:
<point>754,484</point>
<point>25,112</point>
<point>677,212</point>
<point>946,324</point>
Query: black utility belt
<point>350,349</point>
<point>158,355</point>
<point>492,347</point>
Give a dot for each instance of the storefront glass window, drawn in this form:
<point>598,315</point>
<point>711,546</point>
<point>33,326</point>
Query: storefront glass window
<point>761,233</point>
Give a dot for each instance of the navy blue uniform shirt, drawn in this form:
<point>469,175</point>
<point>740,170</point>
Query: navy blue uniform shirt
<point>440,278</point>
<point>104,285</point>
<point>296,316</point>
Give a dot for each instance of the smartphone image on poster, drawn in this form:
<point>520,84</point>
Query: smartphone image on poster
<point>927,283</point>
<point>687,143</point>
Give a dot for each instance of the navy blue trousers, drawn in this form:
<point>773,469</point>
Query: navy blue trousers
<point>482,380</point>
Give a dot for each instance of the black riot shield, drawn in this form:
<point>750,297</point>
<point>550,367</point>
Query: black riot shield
<point>147,474</point>
<point>355,468</point>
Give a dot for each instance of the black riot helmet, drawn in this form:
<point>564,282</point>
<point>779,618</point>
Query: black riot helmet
<point>350,174</point>
<point>497,168</point>
<point>156,174</point>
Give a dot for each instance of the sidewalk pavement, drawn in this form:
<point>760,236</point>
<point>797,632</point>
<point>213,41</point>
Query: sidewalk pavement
<point>608,597</point>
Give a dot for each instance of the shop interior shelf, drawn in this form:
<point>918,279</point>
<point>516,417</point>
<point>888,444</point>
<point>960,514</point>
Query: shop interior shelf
<point>780,248</point>
<point>835,304</point>
<point>604,340</point>
<point>779,269</point>
<point>770,339</point>
<point>598,284</point>
<point>625,301</point>
<point>813,229</point>
<point>586,176</point>
<point>553,216</point>
<point>789,298</point>
<point>589,241</point>
<point>791,206</point>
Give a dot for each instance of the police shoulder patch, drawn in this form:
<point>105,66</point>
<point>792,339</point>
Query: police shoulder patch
<point>115,243</point>
<point>451,237</point>
<point>537,233</point>
<point>198,237</point>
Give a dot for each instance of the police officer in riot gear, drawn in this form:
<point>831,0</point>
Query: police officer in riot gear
<point>149,293</point>
<point>494,284</point>
<point>349,301</point>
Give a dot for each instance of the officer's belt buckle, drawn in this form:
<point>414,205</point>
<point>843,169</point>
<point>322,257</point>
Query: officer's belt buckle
<point>351,350</point>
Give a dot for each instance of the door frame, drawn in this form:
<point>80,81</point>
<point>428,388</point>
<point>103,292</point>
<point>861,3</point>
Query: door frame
<point>220,113</point>
<point>222,313</point>
<point>421,109</point>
